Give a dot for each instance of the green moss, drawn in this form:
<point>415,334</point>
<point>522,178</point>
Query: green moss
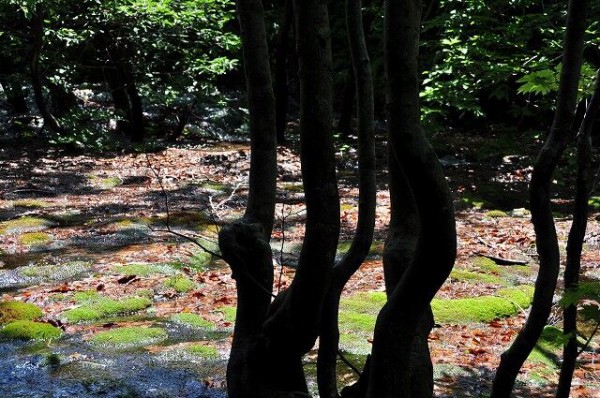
<point>86,296</point>
<point>35,239</point>
<point>202,351</point>
<point>363,303</point>
<point>594,202</point>
<point>31,203</point>
<point>228,312</point>
<point>474,203</point>
<point>197,261</point>
<point>189,319</point>
<point>30,330</point>
<point>486,264</point>
<point>376,248</point>
<point>105,182</point>
<point>105,307</point>
<point>51,272</point>
<point>291,187</point>
<point>508,302</point>
<point>356,321</point>
<point>24,224</point>
<point>143,269</point>
<point>15,310</point>
<point>215,186</point>
<point>548,347</point>
<point>181,283</point>
<point>128,337</point>
<point>496,214</point>
<point>470,276</point>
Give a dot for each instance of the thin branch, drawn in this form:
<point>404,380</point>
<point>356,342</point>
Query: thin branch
<point>349,364</point>
<point>167,221</point>
<point>589,340</point>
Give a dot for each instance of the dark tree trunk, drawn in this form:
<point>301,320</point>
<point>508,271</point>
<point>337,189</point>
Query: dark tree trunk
<point>363,237</point>
<point>37,33</point>
<point>541,212</point>
<point>120,98</point>
<point>281,80</point>
<point>575,242</point>
<point>245,244</point>
<point>435,249</point>
<point>123,87</point>
<point>62,101</point>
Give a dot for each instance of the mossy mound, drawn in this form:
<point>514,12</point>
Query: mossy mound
<point>198,261</point>
<point>202,351</point>
<point>24,224</point>
<point>228,312</point>
<point>35,239</point>
<point>102,307</point>
<point>496,214</point>
<point>507,302</point>
<point>53,272</point>
<point>31,203</point>
<point>359,312</point>
<point>143,269</point>
<point>15,310</point>
<point>548,347</point>
<point>215,186</point>
<point>30,330</point>
<point>485,264</point>
<point>128,337</point>
<point>128,224</point>
<point>376,249</point>
<point>180,283</point>
<point>194,320</point>
<point>102,182</point>
<point>471,276</point>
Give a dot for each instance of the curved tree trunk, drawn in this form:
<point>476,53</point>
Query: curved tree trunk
<point>294,324</point>
<point>363,237</point>
<point>575,242</point>
<point>435,249</point>
<point>541,212</point>
<point>245,244</point>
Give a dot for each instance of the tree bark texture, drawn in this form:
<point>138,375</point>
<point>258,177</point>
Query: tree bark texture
<point>435,249</point>
<point>245,244</point>
<point>541,213</point>
<point>575,242</point>
<point>363,237</point>
<point>305,296</point>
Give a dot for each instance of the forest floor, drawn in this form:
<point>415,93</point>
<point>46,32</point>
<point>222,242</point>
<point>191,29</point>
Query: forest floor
<point>78,229</point>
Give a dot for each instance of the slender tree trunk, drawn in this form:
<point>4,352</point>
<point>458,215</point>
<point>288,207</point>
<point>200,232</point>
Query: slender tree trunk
<point>245,244</point>
<point>435,249</point>
<point>281,80</point>
<point>363,237</point>
<point>120,99</point>
<point>138,130</point>
<point>575,243</point>
<point>541,212</point>
<point>37,30</point>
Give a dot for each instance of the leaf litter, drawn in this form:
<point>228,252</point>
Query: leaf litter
<point>123,223</point>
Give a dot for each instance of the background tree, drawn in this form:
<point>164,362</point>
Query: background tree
<point>541,213</point>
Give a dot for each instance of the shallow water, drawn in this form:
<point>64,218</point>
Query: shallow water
<point>70,368</point>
